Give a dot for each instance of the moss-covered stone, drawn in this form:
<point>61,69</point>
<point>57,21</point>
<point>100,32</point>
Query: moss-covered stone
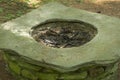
<point>48,70</point>
<point>10,58</point>
<point>47,76</point>
<point>89,66</point>
<point>15,36</point>
<point>29,71</point>
<point>14,67</point>
<point>29,74</point>
<point>29,66</point>
<point>94,72</point>
<point>74,76</point>
<point>5,57</point>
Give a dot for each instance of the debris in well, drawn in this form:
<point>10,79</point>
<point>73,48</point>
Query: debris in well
<point>63,34</point>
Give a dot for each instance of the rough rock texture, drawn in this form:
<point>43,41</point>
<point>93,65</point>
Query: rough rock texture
<point>23,70</point>
<point>102,50</point>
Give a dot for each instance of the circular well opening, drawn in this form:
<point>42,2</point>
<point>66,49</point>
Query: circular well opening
<point>64,34</point>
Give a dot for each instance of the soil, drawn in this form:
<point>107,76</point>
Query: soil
<point>10,10</point>
<point>107,7</point>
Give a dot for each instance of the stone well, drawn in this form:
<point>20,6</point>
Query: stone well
<point>55,42</point>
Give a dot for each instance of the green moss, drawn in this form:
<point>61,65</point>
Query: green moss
<point>9,57</point>
<point>94,72</point>
<point>110,70</point>
<point>30,75</point>
<point>5,57</point>
<point>115,68</point>
<point>47,76</point>
<point>29,66</point>
<point>87,67</point>
<point>75,76</point>
<point>48,70</point>
<point>14,67</point>
<point>31,71</point>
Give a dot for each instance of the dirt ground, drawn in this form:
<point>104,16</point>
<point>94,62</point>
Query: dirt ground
<point>11,10</point>
<point>107,7</point>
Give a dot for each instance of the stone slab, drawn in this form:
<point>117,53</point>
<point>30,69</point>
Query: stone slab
<point>103,49</point>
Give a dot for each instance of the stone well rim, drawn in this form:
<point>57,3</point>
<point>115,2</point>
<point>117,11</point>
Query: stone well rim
<point>98,49</point>
<point>69,21</point>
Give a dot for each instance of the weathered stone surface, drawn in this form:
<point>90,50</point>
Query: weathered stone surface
<point>89,72</point>
<point>102,49</point>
